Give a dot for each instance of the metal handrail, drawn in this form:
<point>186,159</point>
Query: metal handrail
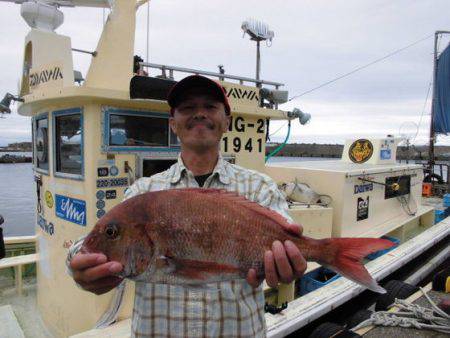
<point>94,53</point>
<point>241,79</point>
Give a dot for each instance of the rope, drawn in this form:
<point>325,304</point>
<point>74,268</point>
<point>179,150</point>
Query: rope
<point>281,146</point>
<point>276,131</point>
<point>423,108</point>
<point>361,67</point>
<point>405,204</point>
<point>411,315</point>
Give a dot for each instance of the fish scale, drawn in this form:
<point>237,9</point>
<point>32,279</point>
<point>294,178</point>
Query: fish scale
<point>197,236</point>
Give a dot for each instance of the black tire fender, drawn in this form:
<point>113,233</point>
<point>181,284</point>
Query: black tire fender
<point>358,317</point>
<point>433,178</point>
<point>395,289</point>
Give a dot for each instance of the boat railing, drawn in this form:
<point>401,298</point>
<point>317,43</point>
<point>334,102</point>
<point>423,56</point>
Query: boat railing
<point>440,168</point>
<point>221,75</point>
<point>17,246</point>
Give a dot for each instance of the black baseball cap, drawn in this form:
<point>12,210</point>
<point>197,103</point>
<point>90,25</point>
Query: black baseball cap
<point>178,91</point>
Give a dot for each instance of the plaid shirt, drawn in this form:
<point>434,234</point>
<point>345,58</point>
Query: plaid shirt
<point>224,309</point>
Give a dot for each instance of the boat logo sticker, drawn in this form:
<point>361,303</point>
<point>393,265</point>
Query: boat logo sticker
<point>100,204</point>
<point>359,188</point>
<point>71,209</point>
<point>102,171</point>
<point>385,154</point>
<point>360,151</point>
<point>242,94</point>
<point>48,227</point>
<point>111,194</point>
<point>362,208</point>
<point>49,199</point>
<point>100,213</point>
<point>45,75</point>
<point>114,171</point>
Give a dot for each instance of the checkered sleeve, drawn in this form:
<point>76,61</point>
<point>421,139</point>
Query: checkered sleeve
<point>268,195</point>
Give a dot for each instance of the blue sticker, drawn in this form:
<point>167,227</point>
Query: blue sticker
<point>385,154</point>
<point>100,194</point>
<point>114,171</point>
<point>71,209</point>
<point>359,188</point>
<point>100,213</point>
<point>100,204</point>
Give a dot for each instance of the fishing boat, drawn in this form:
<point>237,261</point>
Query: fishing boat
<point>95,134</point>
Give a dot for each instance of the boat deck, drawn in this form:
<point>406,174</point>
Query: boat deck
<point>24,307</point>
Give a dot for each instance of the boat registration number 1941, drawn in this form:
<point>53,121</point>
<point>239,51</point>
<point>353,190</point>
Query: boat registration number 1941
<point>239,143</point>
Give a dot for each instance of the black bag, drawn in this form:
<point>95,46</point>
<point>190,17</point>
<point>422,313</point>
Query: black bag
<point>2,245</point>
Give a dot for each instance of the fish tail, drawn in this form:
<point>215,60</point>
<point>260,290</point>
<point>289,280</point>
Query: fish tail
<point>344,255</point>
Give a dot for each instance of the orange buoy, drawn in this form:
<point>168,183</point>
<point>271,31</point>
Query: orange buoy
<point>427,189</point>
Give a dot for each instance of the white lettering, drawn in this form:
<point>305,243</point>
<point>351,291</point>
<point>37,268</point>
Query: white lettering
<point>71,213</point>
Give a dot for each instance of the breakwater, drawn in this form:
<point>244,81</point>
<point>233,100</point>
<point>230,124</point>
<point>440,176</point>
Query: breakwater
<point>9,159</point>
<point>419,153</point>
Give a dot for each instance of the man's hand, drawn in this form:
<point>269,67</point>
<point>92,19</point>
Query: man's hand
<point>284,263</point>
<point>93,273</point>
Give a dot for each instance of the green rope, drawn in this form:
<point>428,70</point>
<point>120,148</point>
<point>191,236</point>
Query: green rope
<point>281,146</point>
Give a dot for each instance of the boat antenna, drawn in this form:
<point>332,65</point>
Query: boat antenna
<point>258,31</point>
<point>148,29</point>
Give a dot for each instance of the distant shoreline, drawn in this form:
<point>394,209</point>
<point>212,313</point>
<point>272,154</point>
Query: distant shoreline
<point>14,151</point>
<point>11,159</point>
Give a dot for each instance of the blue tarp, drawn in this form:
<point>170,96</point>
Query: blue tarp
<point>442,94</point>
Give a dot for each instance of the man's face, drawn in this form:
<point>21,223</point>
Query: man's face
<point>199,121</point>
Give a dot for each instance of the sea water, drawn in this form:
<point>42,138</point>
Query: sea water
<point>17,199</point>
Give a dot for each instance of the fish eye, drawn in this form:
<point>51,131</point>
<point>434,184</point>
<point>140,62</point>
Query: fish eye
<point>112,231</point>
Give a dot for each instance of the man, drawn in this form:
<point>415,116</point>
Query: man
<point>200,114</point>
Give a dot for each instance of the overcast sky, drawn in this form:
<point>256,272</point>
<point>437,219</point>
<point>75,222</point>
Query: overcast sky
<point>315,41</point>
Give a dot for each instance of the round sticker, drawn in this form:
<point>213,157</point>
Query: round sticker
<point>100,194</point>
<point>100,213</point>
<point>114,171</point>
<point>360,151</point>
<point>100,204</point>
<point>49,199</point>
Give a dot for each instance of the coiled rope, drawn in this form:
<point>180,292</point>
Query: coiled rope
<point>410,315</point>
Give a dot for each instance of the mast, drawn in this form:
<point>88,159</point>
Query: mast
<point>432,133</point>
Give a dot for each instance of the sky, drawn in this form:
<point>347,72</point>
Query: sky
<point>315,41</point>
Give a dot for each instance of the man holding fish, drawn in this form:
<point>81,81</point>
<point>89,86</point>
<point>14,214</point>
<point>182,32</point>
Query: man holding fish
<point>200,114</point>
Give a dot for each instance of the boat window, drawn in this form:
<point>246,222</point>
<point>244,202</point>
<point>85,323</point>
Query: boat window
<point>68,137</point>
<point>152,167</point>
<point>174,140</point>
<point>138,130</point>
<point>41,143</point>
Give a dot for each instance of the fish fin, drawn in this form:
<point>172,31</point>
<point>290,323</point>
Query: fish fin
<point>235,197</point>
<point>349,253</point>
<point>199,270</point>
